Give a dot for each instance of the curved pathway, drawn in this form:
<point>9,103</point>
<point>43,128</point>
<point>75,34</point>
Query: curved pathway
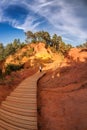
<point>19,110</point>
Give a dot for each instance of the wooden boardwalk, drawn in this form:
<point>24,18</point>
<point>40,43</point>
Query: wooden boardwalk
<point>19,110</point>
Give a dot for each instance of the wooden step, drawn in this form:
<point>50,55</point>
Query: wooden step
<point>5,125</point>
<point>27,88</point>
<point>25,91</point>
<point>21,98</point>
<point>20,111</point>
<point>29,84</point>
<point>22,106</point>
<point>22,101</point>
<point>23,94</point>
<point>17,118</point>
<point>19,124</point>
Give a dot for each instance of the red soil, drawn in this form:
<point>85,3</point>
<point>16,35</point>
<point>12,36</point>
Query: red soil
<point>62,94</point>
<point>62,100</point>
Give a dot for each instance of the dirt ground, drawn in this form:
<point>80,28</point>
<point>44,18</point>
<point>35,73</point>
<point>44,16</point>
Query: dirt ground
<point>62,100</point>
<point>62,95</point>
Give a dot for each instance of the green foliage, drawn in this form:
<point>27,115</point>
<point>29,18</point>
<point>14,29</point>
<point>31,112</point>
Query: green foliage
<point>12,67</point>
<point>84,45</point>
<point>64,48</point>
<point>24,54</point>
<point>28,52</point>
<point>40,36</point>
<point>10,48</point>
<point>1,52</point>
<point>0,73</point>
<point>56,41</point>
<point>17,44</point>
<point>31,50</point>
<point>46,37</point>
<point>30,36</point>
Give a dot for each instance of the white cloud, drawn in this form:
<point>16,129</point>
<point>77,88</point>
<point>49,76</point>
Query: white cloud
<point>60,14</point>
<point>28,24</point>
<point>64,20</point>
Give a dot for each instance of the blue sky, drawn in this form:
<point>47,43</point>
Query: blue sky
<point>67,18</point>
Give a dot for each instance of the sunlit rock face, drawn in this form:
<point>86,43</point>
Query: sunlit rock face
<point>78,54</point>
<point>41,51</point>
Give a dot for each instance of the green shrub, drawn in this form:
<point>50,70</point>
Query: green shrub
<point>12,67</point>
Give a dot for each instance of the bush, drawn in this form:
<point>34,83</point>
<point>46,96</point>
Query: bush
<point>12,67</point>
<point>65,48</point>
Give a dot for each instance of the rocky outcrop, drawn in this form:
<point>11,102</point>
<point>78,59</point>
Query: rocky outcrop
<point>41,51</point>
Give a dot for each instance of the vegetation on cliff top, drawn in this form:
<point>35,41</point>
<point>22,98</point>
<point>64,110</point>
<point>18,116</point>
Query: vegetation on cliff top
<point>55,42</point>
